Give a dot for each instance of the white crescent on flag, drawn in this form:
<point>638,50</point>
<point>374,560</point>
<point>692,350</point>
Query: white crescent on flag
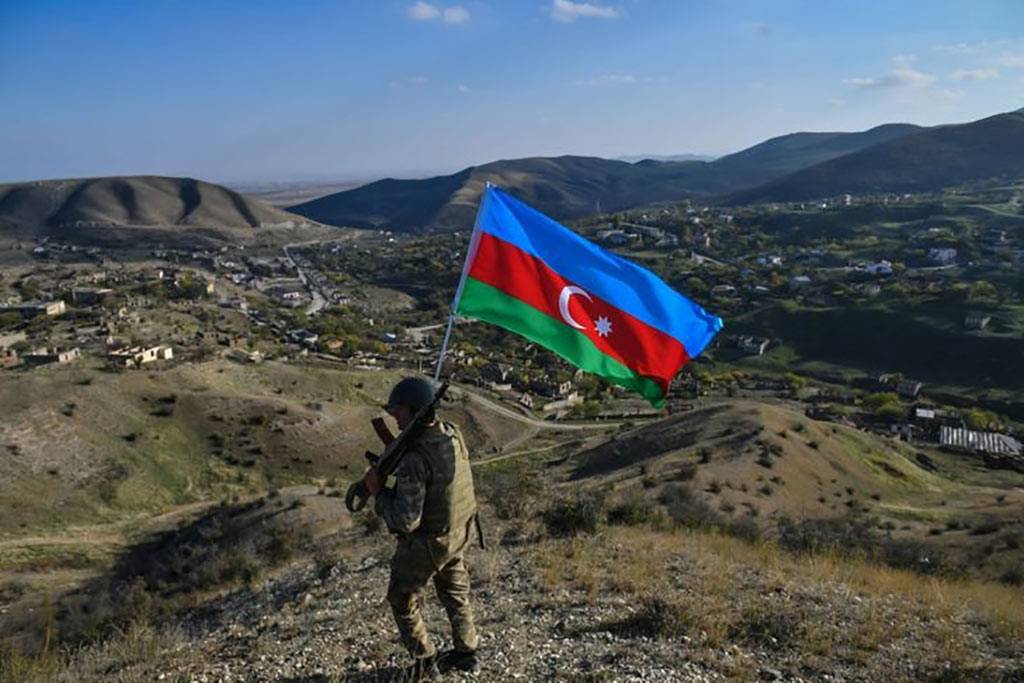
<point>563,304</point>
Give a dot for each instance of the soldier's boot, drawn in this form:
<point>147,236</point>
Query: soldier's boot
<point>422,669</point>
<point>462,661</point>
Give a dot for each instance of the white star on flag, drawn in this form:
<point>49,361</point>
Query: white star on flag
<point>603,326</point>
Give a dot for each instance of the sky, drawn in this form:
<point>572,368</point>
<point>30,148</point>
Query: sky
<point>244,91</point>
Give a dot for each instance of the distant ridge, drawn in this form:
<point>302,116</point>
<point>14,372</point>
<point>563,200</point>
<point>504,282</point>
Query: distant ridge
<point>633,158</point>
<point>114,209</point>
<point>572,186</point>
<point>926,160</point>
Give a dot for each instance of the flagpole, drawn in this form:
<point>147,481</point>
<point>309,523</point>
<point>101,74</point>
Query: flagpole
<point>474,239</point>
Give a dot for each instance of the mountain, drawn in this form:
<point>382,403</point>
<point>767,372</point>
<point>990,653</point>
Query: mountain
<point>787,154</point>
<point>928,159</point>
<point>563,187</point>
<point>111,210</point>
<point>572,186</point>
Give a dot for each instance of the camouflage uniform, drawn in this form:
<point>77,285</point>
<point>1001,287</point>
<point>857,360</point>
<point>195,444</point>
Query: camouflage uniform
<point>431,508</point>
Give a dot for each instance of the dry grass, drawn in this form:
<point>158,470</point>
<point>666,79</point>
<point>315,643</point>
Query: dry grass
<point>720,590</point>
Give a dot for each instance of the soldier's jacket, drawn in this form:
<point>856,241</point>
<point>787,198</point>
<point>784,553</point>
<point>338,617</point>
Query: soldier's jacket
<point>433,493</point>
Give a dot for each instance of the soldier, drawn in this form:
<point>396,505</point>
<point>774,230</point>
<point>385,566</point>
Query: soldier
<point>431,509</point>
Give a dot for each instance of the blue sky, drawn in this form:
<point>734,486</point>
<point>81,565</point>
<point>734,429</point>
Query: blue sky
<point>233,91</point>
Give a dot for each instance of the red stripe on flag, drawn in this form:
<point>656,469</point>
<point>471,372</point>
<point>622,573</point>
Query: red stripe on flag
<point>635,344</point>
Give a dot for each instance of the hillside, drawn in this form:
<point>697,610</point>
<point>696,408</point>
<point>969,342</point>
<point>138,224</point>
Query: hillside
<point>117,209</point>
<point>925,160</point>
<point>571,186</point>
<point>266,590</point>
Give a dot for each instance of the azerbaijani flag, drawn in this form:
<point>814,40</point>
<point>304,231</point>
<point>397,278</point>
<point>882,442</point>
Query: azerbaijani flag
<point>607,315</point>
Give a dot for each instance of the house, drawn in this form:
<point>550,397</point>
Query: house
<point>616,238</point>
<point>800,281</point>
<point>723,290</point>
<point>769,260</point>
<point>496,372</point>
<point>942,255</point>
<point>32,309</point>
<point>526,400</point>
<point>565,388</point>
<point>301,336</point>
<point>137,356</point>
<point>753,346</point>
<point>909,388</point>
<point>90,295</point>
<point>977,320</point>
<point>883,267</point>
<point>569,401</point>
<point>924,414</point>
<point>44,355</point>
<point>8,358</point>
<point>985,442</point>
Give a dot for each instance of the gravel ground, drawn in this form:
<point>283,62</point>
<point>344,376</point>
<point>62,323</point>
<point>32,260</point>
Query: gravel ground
<point>333,624</point>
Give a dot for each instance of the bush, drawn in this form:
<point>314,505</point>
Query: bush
<point>685,508</point>
<point>656,618</point>
<point>513,494</point>
<point>632,511</point>
<point>583,513</point>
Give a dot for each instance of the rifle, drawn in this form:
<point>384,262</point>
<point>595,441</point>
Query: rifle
<point>394,450</point>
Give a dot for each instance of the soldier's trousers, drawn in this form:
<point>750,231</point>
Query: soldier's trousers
<point>417,560</point>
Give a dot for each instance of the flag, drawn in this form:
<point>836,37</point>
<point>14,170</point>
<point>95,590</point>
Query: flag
<point>601,312</point>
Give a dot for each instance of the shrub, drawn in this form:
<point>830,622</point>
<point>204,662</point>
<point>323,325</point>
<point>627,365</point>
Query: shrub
<point>656,618</point>
<point>686,508</point>
<point>823,535</point>
<point>632,511</point>
<point>1013,576</point>
<point>686,472</point>
<point>583,513</point>
<point>513,494</point>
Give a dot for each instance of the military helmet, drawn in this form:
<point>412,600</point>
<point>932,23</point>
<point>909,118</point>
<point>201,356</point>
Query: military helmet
<point>415,392</point>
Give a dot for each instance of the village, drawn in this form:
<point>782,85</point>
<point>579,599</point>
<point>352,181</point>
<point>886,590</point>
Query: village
<point>377,300</point>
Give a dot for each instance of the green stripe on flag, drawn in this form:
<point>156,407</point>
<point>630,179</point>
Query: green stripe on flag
<point>487,303</point>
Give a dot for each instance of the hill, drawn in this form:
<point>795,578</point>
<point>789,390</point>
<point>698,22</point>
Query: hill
<point>289,586</point>
<point>922,161</point>
<point>571,186</point>
<point>118,209</point>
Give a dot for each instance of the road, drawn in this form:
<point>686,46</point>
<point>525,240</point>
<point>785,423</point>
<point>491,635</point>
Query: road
<point>996,211</point>
<point>319,301</point>
<point>505,411</point>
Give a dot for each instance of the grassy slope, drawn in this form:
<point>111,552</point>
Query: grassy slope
<point>926,343</point>
<point>765,461</point>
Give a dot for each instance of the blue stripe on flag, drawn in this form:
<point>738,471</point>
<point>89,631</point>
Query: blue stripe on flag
<point>621,283</point>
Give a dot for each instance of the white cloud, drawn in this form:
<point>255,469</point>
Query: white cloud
<point>1011,61</point>
<point>456,15</point>
<point>463,88</point>
<point>568,11</point>
<point>609,79</point>
<point>974,74</point>
<point>422,11</point>
<point>971,48</point>
<point>902,75</point>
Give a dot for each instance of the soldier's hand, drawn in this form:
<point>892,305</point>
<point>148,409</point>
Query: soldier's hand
<point>373,481</point>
